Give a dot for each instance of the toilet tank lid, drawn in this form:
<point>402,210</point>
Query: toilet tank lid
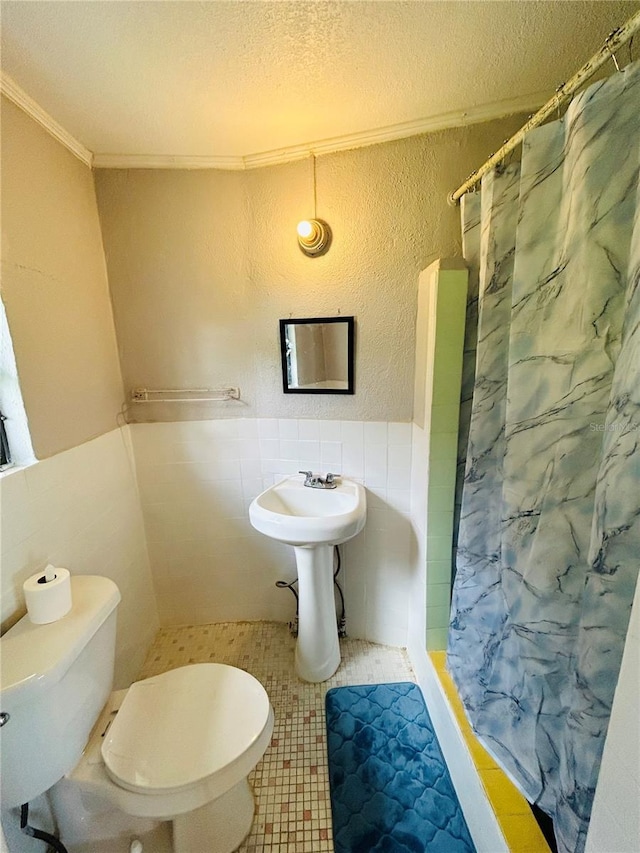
<point>33,657</point>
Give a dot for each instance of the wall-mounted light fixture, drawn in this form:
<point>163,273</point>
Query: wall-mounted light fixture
<point>314,235</point>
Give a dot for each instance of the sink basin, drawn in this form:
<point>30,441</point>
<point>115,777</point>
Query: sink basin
<point>298,515</point>
<point>313,521</point>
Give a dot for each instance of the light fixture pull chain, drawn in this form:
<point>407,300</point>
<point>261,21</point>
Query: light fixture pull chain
<point>314,235</point>
<point>315,194</point>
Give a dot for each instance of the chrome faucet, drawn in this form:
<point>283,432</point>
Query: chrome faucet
<point>315,481</point>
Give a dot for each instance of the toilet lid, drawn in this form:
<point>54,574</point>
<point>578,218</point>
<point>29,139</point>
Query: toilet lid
<point>177,728</point>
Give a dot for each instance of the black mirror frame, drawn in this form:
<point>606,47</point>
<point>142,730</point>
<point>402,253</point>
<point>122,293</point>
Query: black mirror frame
<point>350,321</point>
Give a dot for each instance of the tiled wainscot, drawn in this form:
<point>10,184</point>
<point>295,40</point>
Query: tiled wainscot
<point>197,479</point>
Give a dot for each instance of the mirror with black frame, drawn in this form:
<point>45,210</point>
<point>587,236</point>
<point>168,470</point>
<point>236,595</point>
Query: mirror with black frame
<point>317,355</point>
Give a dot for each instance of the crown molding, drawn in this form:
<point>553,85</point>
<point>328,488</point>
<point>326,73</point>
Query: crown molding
<point>444,121</point>
<point>19,97</point>
<point>166,161</point>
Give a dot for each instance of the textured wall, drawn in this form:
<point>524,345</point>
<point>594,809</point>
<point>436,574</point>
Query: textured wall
<point>203,264</point>
<point>55,290</point>
<point>175,245</point>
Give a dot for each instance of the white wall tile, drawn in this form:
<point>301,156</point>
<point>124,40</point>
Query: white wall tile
<point>309,430</point>
<point>268,428</point>
<point>399,434</point>
<point>376,496</point>
<point>375,465</point>
<point>399,456</point>
<point>399,499</point>
<point>376,518</point>
<point>247,428</point>
<point>352,459</point>
<point>352,432</point>
<point>288,428</point>
<point>201,521</point>
<point>80,509</point>
<point>269,466</point>
<point>331,454</point>
<point>269,448</point>
<point>17,510</point>
<point>353,576</point>
<point>399,478</point>
<point>386,626</point>
<point>284,467</point>
<point>250,469</point>
<point>331,430</point>
<point>227,469</point>
<point>224,428</point>
<point>375,432</point>
<point>309,464</point>
<point>308,449</point>
<point>288,449</point>
<point>152,452</point>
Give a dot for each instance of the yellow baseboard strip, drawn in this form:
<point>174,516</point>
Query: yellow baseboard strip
<point>512,811</point>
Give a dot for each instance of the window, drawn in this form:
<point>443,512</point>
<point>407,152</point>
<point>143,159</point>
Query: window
<point>5,453</point>
<point>15,441</point>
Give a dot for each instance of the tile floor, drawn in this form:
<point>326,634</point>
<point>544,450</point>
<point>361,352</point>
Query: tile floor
<point>291,783</point>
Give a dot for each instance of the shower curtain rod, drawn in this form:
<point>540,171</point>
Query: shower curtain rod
<point>615,40</point>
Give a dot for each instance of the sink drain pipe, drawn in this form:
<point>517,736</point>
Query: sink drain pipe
<point>342,621</point>
<point>293,625</point>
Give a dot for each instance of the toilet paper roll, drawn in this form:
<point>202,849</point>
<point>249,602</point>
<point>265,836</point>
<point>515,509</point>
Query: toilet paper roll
<point>48,601</point>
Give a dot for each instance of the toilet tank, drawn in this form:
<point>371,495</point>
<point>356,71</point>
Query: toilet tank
<point>54,681</point>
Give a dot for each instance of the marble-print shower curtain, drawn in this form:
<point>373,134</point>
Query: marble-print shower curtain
<point>549,540</point>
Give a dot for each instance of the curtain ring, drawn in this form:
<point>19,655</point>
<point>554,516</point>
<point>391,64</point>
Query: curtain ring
<point>613,57</point>
<point>503,161</point>
<point>558,102</point>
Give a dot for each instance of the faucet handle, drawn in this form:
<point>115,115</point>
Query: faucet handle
<point>330,478</point>
<point>308,475</point>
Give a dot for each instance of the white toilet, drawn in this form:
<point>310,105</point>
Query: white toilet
<point>175,747</point>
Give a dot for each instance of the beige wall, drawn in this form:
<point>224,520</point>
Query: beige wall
<point>176,245</point>
<point>55,289</point>
<point>203,264</point>
<point>310,355</point>
<point>80,508</point>
<point>335,344</point>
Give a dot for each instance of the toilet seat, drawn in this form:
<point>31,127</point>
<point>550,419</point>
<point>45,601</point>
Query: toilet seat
<point>199,723</point>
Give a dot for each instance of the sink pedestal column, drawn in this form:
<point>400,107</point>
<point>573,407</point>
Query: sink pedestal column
<point>317,650</point>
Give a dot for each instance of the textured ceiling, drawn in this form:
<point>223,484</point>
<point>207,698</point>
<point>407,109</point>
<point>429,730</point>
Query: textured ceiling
<point>237,78</point>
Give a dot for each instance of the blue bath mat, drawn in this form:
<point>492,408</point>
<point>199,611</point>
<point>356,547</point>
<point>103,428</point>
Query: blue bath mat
<point>390,789</point>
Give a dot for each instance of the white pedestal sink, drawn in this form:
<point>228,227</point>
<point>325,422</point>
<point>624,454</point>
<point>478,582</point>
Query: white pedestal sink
<point>313,521</point>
